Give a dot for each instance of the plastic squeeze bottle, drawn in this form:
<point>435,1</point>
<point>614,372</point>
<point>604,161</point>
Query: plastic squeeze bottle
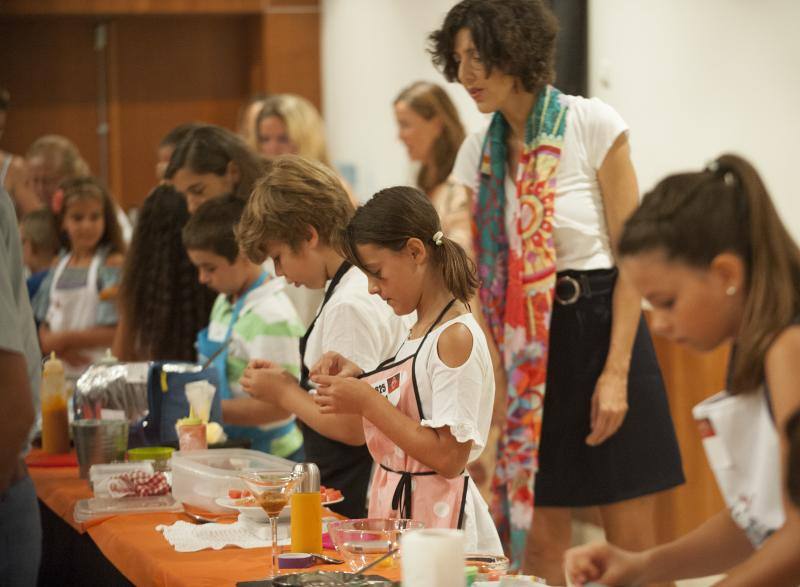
<point>55,423</point>
<point>306,511</point>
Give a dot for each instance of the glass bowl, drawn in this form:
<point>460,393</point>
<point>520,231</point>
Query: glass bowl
<point>362,541</point>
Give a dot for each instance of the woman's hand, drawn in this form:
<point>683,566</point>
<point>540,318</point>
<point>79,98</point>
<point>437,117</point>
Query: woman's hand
<point>265,380</point>
<point>603,563</point>
<point>609,407</point>
<point>340,395</point>
<point>332,363</point>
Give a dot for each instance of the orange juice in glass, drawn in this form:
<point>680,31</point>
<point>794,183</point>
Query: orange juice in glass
<point>55,423</point>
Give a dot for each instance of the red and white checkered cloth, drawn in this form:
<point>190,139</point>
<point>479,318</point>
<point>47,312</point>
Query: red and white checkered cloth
<point>138,483</point>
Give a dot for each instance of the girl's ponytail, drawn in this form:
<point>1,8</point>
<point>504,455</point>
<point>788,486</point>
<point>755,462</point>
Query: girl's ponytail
<point>458,270</point>
<point>773,286</point>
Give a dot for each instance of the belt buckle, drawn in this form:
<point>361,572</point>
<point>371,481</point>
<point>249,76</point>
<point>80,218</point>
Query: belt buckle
<point>576,287</point>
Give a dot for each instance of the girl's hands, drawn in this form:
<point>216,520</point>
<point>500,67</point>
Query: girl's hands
<point>603,563</point>
<point>265,380</point>
<point>340,395</point>
<point>332,363</point>
<point>609,407</point>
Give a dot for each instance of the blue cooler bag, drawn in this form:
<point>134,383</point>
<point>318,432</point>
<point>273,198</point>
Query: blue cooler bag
<point>166,398</point>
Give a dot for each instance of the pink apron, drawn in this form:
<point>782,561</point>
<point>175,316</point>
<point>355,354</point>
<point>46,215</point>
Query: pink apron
<point>401,486</point>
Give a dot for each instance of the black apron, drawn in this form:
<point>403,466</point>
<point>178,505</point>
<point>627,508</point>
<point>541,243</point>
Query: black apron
<point>341,466</point>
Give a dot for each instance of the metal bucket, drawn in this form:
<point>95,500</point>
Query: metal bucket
<point>99,441</point>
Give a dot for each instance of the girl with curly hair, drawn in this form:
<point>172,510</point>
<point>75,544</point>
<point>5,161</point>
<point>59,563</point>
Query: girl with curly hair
<point>553,182</point>
<point>162,306</point>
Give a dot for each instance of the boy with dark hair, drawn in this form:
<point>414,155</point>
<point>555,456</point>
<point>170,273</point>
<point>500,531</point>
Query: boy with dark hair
<point>252,318</point>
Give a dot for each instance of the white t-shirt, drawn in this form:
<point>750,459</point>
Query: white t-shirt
<point>579,226</point>
<point>356,324</point>
<point>461,398</point>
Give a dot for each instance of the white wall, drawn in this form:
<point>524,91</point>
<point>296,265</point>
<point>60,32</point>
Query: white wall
<point>692,78</point>
<point>696,78</point>
<point>372,49</point>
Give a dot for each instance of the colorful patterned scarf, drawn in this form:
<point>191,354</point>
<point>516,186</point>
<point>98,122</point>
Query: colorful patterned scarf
<point>518,273</point>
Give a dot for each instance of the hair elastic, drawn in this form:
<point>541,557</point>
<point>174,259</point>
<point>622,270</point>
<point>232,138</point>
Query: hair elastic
<point>728,176</point>
<point>437,238</point>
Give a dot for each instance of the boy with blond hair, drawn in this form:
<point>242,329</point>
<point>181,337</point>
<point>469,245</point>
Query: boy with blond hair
<point>296,216</point>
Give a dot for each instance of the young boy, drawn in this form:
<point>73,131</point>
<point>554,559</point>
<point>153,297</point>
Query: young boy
<point>40,244</point>
<point>296,216</point>
<point>251,319</point>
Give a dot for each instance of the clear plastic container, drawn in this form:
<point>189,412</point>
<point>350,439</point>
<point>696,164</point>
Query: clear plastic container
<point>101,507</point>
<point>199,477</point>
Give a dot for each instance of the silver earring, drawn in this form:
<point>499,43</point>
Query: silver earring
<point>731,290</point>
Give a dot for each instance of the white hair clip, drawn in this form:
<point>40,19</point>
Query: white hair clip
<point>437,238</point>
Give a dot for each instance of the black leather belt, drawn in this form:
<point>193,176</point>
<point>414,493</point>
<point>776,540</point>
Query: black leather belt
<point>571,286</point>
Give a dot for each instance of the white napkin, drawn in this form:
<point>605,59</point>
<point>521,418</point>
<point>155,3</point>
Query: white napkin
<point>244,533</point>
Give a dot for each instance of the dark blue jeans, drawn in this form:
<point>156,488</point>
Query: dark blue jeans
<point>20,535</point>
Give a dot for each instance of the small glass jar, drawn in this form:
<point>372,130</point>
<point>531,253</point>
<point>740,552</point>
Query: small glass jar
<point>192,437</point>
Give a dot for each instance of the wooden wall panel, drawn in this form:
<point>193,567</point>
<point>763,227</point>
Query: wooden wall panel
<point>290,45</point>
<point>690,377</point>
<point>166,72</point>
<point>49,66</point>
<point>199,63</point>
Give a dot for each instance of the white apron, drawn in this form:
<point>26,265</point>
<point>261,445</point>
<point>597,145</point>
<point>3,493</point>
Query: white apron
<point>743,449</point>
<point>75,309</point>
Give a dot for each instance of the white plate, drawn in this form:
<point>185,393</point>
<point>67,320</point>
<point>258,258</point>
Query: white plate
<point>255,512</point>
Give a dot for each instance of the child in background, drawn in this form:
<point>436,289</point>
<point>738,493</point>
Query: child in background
<point>426,412</point>
<point>711,255</point>
<point>75,302</point>
<point>40,244</point>
<point>167,146</point>
<point>251,319</point>
<point>162,306</point>
<point>210,161</point>
<point>296,216</point>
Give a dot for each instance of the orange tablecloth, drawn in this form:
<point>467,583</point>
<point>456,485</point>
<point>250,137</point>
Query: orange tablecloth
<point>132,544</point>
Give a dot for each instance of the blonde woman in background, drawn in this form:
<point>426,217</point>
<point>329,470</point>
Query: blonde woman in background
<point>429,127</point>
<point>246,120</point>
<point>54,159</point>
<point>290,125</point>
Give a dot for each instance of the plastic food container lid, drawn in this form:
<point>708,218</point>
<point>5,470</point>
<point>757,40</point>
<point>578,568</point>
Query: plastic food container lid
<point>100,507</point>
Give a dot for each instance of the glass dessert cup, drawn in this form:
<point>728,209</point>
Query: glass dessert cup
<point>271,490</point>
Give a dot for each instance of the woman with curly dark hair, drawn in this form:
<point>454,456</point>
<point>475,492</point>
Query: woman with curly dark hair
<point>553,183</point>
<point>162,306</point>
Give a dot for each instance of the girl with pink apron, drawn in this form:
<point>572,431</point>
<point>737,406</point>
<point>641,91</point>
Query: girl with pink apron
<point>402,486</point>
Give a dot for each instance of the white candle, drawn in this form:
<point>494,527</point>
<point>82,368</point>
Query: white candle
<point>433,558</point>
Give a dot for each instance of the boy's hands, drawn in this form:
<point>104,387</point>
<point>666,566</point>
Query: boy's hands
<point>266,380</point>
<point>332,363</point>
